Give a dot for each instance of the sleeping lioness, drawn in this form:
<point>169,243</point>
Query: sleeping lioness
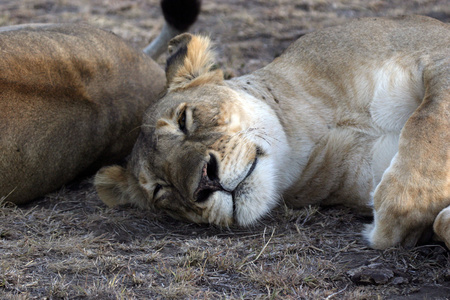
<point>71,99</point>
<point>356,115</point>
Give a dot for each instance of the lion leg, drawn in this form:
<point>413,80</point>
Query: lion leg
<point>416,185</point>
<point>441,226</point>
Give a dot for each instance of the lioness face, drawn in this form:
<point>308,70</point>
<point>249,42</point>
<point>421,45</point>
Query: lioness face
<point>204,159</point>
<point>206,152</point>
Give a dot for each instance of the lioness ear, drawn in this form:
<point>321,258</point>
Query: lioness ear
<point>190,62</point>
<point>115,186</point>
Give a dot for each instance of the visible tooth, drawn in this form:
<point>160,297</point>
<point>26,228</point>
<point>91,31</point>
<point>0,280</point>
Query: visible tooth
<point>204,170</point>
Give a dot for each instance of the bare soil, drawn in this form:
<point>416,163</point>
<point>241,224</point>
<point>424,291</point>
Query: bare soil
<point>68,245</point>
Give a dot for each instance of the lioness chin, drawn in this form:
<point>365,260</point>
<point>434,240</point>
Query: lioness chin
<point>356,115</point>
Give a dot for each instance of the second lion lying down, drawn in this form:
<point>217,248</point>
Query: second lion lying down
<point>355,115</point>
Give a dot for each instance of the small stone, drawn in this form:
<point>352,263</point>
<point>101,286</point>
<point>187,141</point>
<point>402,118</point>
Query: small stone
<point>399,280</point>
<point>371,275</point>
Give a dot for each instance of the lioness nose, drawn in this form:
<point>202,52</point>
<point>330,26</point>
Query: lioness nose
<point>209,180</point>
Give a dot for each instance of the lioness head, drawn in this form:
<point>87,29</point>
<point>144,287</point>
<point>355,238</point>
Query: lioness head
<point>208,152</point>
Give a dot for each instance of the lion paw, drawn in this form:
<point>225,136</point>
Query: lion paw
<point>403,214</point>
<point>392,234</point>
<point>442,226</point>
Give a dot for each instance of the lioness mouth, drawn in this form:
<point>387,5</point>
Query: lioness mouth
<point>250,171</point>
<point>252,168</point>
<point>233,193</point>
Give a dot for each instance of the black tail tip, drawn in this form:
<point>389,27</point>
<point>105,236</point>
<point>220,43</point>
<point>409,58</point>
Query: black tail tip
<point>181,14</point>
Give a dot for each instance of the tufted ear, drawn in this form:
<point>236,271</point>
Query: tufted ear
<point>115,186</point>
<point>190,62</point>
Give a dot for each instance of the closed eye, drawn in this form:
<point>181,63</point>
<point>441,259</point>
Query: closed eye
<point>157,189</point>
<point>182,121</point>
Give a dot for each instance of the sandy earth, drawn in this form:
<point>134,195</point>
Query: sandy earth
<point>69,245</point>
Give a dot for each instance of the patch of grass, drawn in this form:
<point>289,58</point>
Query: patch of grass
<point>58,249</point>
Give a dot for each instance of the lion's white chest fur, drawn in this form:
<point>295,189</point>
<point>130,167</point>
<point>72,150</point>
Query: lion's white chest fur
<point>347,160</point>
<point>397,94</point>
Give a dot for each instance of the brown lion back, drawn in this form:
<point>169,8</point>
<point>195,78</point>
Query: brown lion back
<point>71,98</point>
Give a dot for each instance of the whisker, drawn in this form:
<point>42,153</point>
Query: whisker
<point>147,126</point>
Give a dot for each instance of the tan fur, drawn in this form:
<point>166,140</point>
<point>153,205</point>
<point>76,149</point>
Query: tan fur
<point>71,99</point>
<point>356,115</point>
<point>197,64</point>
<point>114,183</point>
<point>442,226</point>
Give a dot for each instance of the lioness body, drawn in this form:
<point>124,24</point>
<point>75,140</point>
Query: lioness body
<point>343,95</point>
<point>70,96</point>
<point>356,115</point>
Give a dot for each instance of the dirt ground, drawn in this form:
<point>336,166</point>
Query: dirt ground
<point>69,245</point>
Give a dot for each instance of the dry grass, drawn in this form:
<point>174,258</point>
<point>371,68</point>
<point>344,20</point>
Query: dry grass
<point>68,245</point>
